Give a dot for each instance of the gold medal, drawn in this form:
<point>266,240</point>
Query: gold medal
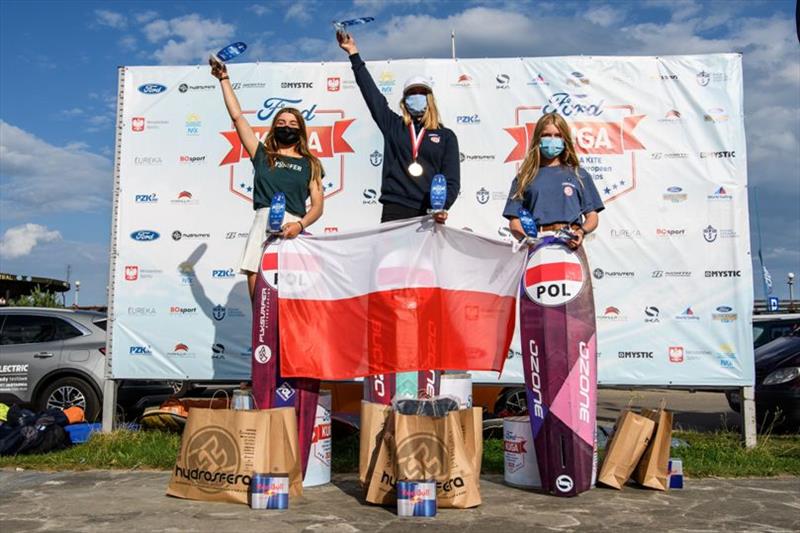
<point>415,169</point>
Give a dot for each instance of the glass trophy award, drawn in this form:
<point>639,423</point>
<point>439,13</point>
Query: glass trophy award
<point>277,210</point>
<point>438,194</point>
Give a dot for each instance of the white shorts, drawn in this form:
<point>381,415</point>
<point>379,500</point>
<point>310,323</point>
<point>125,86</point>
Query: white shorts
<point>251,255</point>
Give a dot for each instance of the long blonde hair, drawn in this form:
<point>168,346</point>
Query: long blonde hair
<point>271,145</point>
<point>530,166</point>
<point>430,119</point>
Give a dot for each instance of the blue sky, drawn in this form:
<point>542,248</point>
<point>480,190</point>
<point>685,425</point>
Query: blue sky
<point>58,88</point>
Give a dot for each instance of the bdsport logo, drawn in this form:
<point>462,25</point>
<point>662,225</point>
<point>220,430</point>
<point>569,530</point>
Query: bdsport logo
<point>554,276</point>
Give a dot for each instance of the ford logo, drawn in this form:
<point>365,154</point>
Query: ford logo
<point>674,189</point>
<point>144,235</point>
<point>151,88</point>
<point>724,309</point>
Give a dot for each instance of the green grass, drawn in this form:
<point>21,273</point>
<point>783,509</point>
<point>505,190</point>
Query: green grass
<point>709,454</point>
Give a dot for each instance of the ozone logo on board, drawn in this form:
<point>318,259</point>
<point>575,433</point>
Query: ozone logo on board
<point>554,276</point>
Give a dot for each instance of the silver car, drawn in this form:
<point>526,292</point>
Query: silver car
<point>52,358</point>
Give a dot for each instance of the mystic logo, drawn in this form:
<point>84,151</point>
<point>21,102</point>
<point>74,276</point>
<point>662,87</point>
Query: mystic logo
<point>651,314</point>
<point>334,84</point>
<point>218,312</point>
<point>710,233</point>
<point>297,85</point>
<point>563,104</point>
<point>564,483</point>
<point>229,273</point>
<point>151,198</point>
<point>482,195</point>
<point>675,195</point>
<point>676,354</point>
<point>724,154</point>
<point>370,197</point>
<point>131,273</point>
<point>376,158</point>
<point>723,273</point>
<point>262,354</point>
<point>140,350</point>
<point>635,355</point>
<point>688,314</point>
<point>503,81</point>
<point>422,456</point>
<point>151,88</point>
<point>554,276</point>
<point>144,235</point>
<point>468,119</point>
<point>212,461</point>
<point>137,124</point>
<point>285,391</point>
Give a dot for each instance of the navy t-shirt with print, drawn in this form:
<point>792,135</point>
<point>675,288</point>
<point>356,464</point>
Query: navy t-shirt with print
<point>556,195</point>
<point>290,175</point>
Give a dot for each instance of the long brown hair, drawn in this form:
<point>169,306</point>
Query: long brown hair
<point>271,144</point>
<point>430,119</point>
<point>530,166</point>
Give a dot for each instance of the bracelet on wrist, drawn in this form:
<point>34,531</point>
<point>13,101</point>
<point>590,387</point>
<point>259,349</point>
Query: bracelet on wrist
<point>224,78</point>
<point>302,227</point>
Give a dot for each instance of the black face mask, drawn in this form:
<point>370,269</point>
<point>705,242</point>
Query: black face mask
<point>287,136</point>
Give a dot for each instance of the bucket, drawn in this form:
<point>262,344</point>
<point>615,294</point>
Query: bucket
<point>318,471</point>
<point>521,468</point>
<point>416,498</point>
<point>269,491</point>
<point>459,386</point>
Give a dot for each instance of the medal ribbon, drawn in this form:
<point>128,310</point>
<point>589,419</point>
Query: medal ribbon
<point>416,141</point>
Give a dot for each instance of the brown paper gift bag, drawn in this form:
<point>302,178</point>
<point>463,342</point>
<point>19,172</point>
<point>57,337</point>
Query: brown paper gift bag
<point>625,449</point>
<point>373,418</point>
<point>446,449</point>
<point>221,448</point>
<point>653,468</point>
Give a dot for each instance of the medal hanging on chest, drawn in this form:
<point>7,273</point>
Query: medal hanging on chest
<point>415,169</point>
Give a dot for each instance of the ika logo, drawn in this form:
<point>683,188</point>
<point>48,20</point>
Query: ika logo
<point>503,81</point>
<point>482,195</point>
<point>370,197</point>
<point>297,85</point>
<point>720,194</point>
<point>137,124</point>
<point>151,198</point>
<point>710,233</point>
<point>192,159</point>
<point>140,350</point>
<point>144,235</point>
<point>651,315</point>
<point>152,88</point>
<point>634,355</point>
<point>193,124</point>
<point>723,273</point>
<point>675,195</point>
<point>676,354</point>
<point>554,276</point>
<point>723,154</point>
<point>334,85</point>
<point>688,314</point>
<point>724,314</point>
<point>468,119</point>
<point>376,158</point>
<point>386,82</point>
<point>131,273</point>
<point>220,273</point>
<point>217,351</point>
<point>564,483</point>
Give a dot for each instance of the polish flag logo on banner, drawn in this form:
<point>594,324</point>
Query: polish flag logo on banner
<point>407,295</point>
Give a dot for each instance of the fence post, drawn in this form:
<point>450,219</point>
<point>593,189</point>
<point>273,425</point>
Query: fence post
<point>748,404</point>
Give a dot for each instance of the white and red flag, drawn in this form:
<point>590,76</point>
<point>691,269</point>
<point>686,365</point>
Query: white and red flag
<point>403,296</point>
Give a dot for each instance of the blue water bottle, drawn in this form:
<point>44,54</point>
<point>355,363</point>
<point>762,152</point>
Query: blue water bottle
<point>528,223</point>
<point>277,210</point>
<point>438,194</point>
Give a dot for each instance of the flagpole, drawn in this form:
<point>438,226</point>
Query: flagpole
<point>453,43</point>
<point>760,257</point>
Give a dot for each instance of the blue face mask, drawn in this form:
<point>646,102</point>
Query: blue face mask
<point>551,146</point>
<point>416,104</point>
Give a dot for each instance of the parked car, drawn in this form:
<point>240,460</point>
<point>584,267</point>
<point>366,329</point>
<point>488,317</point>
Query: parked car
<point>52,357</point>
<point>777,385</point>
<point>769,327</point>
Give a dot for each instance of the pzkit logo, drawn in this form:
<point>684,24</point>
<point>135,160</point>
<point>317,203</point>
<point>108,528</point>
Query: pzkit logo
<point>370,197</point>
<point>140,350</point>
<point>422,456</point>
<point>676,354</point>
<point>147,161</point>
<point>152,88</point>
<point>177,310</point>
<point>705,78</point>
<point>720,194</point>
<point>212,461</point>
<point>192,159</point>
<point>670,232</point>
<point>185,87</point>
<point>193,123</point>
<point>723,273</point>
<point>687,314</point>
<point>675,195</point>
<point>151,198</point>
<point>223,273</point>
<point>178,235</point>
<point>503,81</point>
<point>722,154</point>
<point>376,158</point>
<point>602,131</point>
<point>724,314</point>
<point>145,235</point>
<point>325,140</point>
<point>482,195</point>
<point>599,273</point>
<point>184,198</point>
<point>470,120</point>
<point>613,314</point>
<point>297,85</point>
<point>652,314</point>
<point>634,355</point>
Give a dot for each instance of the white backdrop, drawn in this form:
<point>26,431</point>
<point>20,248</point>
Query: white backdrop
<point>663,138</point>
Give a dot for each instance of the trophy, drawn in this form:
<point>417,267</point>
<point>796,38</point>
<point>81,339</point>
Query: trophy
<point>341,33</point>
<point>528,226</point>
<point>231,51</point>
<point>438,195</point>
<point>277,210</point>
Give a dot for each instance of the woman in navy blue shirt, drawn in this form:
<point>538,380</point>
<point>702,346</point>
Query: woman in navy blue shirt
<point>552,186</point>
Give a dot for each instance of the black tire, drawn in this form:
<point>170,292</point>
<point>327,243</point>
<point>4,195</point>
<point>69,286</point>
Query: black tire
<point>512,402</point>
<point>70,391</point>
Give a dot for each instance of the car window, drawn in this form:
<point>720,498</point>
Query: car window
<point>101,323</point>
<point>65,330</point>
<point>28,329</point>
<point>758,331</point>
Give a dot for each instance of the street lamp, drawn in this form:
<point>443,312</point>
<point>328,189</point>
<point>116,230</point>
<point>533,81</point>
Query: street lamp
<point>77,290</point>
<point>790,281</point>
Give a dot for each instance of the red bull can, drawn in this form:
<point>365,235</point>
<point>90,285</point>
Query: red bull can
<point>269,491</point>
<point>416,498</point>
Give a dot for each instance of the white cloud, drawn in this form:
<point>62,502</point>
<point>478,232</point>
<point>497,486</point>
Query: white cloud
<point>111,19</point>
<point>20,240</point>
<point>128,42</point>
<point>189,38</point>
<point>259,10</point>
<point>299,11</point>
<point>40,178</point>
<point>604,15</point>
<point>145,16</point>
<point>73,112</point>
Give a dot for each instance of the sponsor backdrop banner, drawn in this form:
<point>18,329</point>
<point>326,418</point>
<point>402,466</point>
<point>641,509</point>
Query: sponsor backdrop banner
<point>663,138</point>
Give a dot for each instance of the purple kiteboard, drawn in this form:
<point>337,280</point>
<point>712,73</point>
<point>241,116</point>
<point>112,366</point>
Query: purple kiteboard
<point>269,388</point>
<point>559,354</point>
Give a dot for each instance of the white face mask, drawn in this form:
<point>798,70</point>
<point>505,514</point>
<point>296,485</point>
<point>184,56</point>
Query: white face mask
<point>416,104</point>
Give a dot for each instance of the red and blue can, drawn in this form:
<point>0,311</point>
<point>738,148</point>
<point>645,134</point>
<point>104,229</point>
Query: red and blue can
<point>416,498</point>
<point>269,491</point>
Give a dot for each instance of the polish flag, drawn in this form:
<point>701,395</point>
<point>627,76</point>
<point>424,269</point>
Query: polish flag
<point>403,296</point>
